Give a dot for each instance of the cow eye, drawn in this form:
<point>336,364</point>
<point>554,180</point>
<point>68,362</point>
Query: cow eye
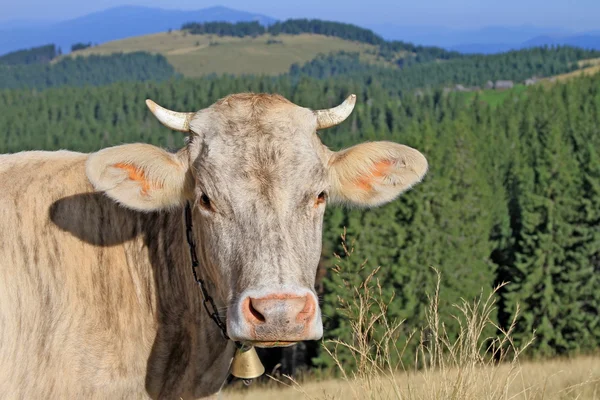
<point>205,202</point>
<point>322,197</point>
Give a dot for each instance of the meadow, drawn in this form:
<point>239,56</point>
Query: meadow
<point>470,365</point>
<point>577,378</point>
<point>198,55</point>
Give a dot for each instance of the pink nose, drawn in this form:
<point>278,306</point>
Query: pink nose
<point>279,317</point>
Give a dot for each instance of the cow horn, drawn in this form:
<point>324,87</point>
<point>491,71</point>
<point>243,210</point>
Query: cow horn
<point>336,115</point>
<point>178,121</point>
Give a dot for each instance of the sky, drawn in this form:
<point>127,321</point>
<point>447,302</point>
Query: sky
<point>575,15</point>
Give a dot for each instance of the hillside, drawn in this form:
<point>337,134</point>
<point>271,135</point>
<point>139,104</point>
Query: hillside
<point>525,171</point>
<point>197,55</point>
<point>88,71</point>
<point>588,67</point>
<point>495,98</point>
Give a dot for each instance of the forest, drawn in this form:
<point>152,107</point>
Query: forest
<point>239,29</point>
<point>35,55</point>
<point>327,28</point>
<point>80,46</point>
<point>469,70</point>
<point>512,195</point>
<point>410,72</point>
<point>90,70</point>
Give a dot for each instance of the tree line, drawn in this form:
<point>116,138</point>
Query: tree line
<point>238,29</point>
<point>470,70</point>
<point>326,28</point>
<point>92,70</point>
<point>36,55</point>
<point>513,193</point>
<point>387,49</point>
<point>80,46</point>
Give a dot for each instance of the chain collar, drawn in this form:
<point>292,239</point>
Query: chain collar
<point>209,303</point>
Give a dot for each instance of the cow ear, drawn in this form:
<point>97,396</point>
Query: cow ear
<point>141,176</point>
<point>374,173</point>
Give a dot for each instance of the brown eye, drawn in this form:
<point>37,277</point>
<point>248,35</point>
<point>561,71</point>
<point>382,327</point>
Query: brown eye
<point>205,202</point>
<point>322,197</point>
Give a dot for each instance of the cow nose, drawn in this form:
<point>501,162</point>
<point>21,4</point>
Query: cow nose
<point>279,317</point>
<point>276,309</point>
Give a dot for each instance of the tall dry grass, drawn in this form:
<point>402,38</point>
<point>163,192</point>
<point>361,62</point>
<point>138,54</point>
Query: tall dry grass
<point>462,368</point>
<point>471,366</point>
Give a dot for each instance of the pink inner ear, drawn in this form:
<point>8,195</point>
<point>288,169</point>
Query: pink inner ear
<point>378,170</point>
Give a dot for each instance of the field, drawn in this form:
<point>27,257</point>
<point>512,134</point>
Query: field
<point>590,70</point>
<point>493,97</point>
<point>587,68</point>
<point>473,365</point>
<point>577,378</point>
<point>496,97</point>
<point>197,55</point>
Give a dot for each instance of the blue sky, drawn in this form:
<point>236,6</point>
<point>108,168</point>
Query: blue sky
<point>575,15</point>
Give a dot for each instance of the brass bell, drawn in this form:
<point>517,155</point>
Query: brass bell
<point>246,364</point>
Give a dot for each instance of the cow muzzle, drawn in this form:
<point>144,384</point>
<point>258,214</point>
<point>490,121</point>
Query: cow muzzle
<point>275,319</point>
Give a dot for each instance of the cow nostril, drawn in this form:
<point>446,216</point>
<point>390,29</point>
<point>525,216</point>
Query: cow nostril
<point>255,313</point>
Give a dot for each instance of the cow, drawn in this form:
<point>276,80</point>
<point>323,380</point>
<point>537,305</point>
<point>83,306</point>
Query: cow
<point>97,295</point>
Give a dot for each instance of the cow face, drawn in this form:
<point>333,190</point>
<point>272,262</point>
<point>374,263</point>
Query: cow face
<point>259,179</point>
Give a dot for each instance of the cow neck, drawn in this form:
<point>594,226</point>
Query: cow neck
<point>245,364</point>
<point>207,300</point>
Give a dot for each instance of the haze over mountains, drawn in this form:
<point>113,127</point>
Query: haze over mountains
<point>490,39</point>
<point>112,24</point>
<point>126,21</point>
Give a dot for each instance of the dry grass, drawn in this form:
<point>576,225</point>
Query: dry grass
<point>587,68</point>
<point>577,378</point>
<point>197,55</point>
<point>472,366</point>
<point>589,62</point>
<point>587,71</point>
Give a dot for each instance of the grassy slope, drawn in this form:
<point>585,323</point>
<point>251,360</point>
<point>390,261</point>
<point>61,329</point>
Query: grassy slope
<point>497,97</point>
<point>588,67</point>
<point>193,55</point>
<point>556,379</point>
<point>494,97</point>
<point>584,71</point>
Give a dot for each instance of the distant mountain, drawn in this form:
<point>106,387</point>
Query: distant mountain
<point>485,48</point>
<point>501,36</point>
<point>587,41</point>
<point>488,40</point>
<point>24,23</point>
<point>114,23</point>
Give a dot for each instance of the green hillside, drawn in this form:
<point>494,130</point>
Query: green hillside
<point>197,55</point>
<point>249,48</point>
<point>512,193</point>
<point>93,70</point>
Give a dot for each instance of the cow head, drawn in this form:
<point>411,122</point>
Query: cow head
<point>259,179</point>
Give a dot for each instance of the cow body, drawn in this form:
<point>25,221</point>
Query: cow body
<point>97,301</point>
<point>97,296</point>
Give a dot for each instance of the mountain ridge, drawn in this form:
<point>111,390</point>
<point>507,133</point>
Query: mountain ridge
<point>117,23</point>
<point>490,39</point>
<point>127,21</point>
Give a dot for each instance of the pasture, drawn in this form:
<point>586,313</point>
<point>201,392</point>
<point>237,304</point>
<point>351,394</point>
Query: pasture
<point>577,378</point>
<point>471,365</point>
<point>587,67</point>
<point>197,55</point>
